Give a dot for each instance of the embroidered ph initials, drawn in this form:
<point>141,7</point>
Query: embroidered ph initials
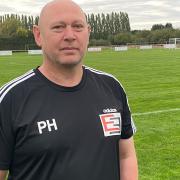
<point>48,124</point>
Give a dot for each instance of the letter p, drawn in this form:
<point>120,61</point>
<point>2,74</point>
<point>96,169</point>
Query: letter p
<point>41,125</point>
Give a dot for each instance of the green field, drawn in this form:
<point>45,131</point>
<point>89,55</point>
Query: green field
<point>152,81</point>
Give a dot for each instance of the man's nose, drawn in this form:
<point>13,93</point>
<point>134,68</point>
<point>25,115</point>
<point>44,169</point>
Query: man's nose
<point>69,34</point>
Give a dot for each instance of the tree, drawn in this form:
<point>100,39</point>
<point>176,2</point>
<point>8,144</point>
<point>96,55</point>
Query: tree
<point>10,26</point>
<point>177,33</point>
<point>162,36</point>
<point>157,27</point>
<point>36,20</point>
<point>169,26</point>
<point>22,33</point>
<point>110,24</point>
<point>161,26</point>
<point>122,38</point>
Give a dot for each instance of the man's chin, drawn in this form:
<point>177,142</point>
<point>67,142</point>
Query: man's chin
<point>69,63</point>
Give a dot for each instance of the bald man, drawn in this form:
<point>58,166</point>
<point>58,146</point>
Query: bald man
<point>63,120</point>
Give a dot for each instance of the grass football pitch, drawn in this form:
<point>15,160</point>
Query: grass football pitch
<point>151,79</point>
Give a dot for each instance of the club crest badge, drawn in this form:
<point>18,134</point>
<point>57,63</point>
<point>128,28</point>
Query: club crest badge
<point>111,123</point>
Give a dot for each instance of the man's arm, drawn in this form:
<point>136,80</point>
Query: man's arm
<point>128,160</point>
<point>3,174</point>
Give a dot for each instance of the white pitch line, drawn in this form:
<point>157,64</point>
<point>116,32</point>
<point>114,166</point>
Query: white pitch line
<point>156,112</point>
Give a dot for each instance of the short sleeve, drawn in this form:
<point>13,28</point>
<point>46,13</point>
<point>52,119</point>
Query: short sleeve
<point>128,126</point>
<point>6,134</point>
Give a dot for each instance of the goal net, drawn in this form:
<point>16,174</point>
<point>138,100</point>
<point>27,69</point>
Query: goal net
<point>175,41</point>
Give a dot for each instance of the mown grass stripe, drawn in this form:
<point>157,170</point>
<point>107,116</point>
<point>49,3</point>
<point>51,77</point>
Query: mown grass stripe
<point>155,112</point>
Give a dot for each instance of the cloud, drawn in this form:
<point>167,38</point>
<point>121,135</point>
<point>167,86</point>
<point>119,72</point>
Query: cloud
<point>142,13</point>
<point>6,9</point>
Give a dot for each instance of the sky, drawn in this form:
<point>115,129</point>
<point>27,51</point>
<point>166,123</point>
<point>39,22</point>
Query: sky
<point>142,13</point>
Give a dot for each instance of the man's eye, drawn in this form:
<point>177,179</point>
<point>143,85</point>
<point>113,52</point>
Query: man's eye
<point>78,26</point>
<point>58,27</point>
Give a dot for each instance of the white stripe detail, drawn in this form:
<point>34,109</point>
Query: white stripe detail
<point>14,80</point>
<point>110,75</point>
<point>133,126</point>
<point>14,84</point>
<point>104,73</point>
<point>107,74</point>
<point>156,112</point>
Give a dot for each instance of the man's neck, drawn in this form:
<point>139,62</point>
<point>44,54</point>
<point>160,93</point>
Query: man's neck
<point>63,75</point>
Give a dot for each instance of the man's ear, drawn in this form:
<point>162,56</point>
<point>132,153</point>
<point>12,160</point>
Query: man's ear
<point>37,35</point>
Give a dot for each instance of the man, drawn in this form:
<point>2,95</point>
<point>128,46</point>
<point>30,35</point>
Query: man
<point>65,121</point>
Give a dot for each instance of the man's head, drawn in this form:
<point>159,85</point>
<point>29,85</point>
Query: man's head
<point>62,32</point>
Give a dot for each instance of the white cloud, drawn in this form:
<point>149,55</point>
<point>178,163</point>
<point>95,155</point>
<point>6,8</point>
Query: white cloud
<point>142,13</point>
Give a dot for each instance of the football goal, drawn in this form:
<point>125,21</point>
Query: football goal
<point>175,41</point>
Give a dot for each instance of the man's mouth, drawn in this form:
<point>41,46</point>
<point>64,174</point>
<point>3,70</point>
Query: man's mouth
<point>69,49</point>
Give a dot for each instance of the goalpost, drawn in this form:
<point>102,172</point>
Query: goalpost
<point>175,41</point>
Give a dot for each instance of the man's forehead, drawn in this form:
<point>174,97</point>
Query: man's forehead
<point>61,7</point>
<point>72,21</point>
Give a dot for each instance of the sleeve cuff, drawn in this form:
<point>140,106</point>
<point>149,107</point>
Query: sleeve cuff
<point>128,131</point>
<point>4,166</point>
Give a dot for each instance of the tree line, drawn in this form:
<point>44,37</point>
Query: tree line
<point>16,31</point>
<point>107,29</point>
<point>105,25</point>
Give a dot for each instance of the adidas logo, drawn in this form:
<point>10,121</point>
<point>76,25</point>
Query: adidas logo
<point>109,110</point>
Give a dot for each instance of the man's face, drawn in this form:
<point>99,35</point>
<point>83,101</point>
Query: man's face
<point>64,34</point>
